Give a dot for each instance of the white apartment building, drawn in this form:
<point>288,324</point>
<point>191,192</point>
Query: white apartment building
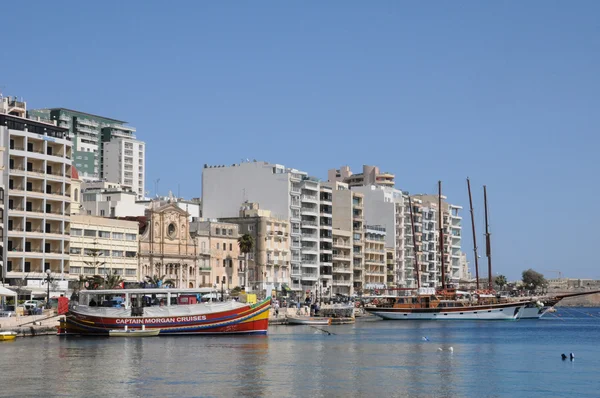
<point>108,199</point>
<point>385,206</point>
<point>431,263</point>
<point>288,193</point>
<point>123,158</point>
<point>375,257</point>
<point>104,246</point>
<point>36,186</point>
<point>326,240</point>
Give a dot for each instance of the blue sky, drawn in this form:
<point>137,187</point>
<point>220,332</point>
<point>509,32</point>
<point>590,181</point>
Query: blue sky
<point>504,92</point>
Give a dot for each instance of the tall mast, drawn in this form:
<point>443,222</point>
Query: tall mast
<point>441,222</point>
<point>488,246</point>
<point>412,226</point>
<point>474,235</point>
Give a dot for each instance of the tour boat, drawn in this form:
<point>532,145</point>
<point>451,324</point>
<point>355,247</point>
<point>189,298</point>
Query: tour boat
<point>170,311</point>
<point>312,321</point>
<point>7,336</point>
<point>430,304</point>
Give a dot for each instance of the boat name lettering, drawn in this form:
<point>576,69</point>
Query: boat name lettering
<point>126,321</point>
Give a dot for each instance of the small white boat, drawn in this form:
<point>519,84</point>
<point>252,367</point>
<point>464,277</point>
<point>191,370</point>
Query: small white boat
<point>7,336</point>
<point>292,320</point>
<point>133,332</point>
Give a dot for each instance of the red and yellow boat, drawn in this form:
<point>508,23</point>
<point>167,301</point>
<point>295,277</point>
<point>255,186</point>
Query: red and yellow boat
<point>172,311</point>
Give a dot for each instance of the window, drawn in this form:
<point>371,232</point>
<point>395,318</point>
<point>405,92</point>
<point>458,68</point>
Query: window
<point>118,235</point>
<point>89,232</point>
<point>230,232</point>
<point>224,262</point>
<point>130,272</point>
<point>230,246</point>
<point>101,213</point>
<point>250,227</point>
<point>75,250</point>
<point>75,232</point>
<point>130,237</point>
<point>117,253</point>
<point>218,246</point>
<point>224,245</point>
<point>218,231</point>
<point>203,246</point>
<point>130,254</point>
<point>105,253</point>
<point>104,234</point>
<point>108,198</point>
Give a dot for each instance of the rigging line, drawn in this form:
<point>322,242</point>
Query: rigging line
<point>323,330</point>
<point>585,313</point>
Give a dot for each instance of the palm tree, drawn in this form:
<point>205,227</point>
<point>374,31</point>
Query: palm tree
<point>500,280</point>
<point>95,282</point>
<point>160,281</point>
<point>113,281</point>
<point>246,244</point>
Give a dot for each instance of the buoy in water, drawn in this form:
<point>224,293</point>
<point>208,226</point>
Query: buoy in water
<point>572,356</point>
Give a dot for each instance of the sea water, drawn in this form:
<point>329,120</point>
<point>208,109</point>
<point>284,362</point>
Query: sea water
<point>367,359</point>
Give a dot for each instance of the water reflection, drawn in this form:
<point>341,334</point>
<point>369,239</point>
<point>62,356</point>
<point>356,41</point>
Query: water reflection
<point>366,359</point>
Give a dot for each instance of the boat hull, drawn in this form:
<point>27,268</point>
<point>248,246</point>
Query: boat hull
<point>248,319</point>
<point>309,321</point>
<point>7,336</point>
<point>133,333</point>
<point>500,312</point>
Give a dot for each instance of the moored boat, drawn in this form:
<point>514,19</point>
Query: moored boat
<point>8,336</point>
<point>431,305</point>
<point>170,311</point>
<point>312,321</point>
<point>540,306</point>
<point>133,332</point>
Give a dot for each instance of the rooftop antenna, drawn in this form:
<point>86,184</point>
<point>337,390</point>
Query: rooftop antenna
<point>156,186</point>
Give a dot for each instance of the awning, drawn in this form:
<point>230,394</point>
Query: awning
<point>7,292</point>
<point>285,287</point>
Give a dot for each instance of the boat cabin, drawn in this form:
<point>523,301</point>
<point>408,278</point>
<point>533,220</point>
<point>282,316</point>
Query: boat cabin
<point>140,298</point>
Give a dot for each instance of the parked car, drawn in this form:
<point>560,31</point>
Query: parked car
<point>33,304</point>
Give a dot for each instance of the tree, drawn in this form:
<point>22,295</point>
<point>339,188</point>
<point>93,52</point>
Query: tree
<point>95,282</point>
<point>500,281</point>
<point>113,281</point>
<point>160,281</point>
<point>532,279</point>
<point>246,244</point>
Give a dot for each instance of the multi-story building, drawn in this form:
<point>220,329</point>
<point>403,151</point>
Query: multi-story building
<point>104,246</point>
<point>123,158</point>
<point>343,267</point>
<point>431,272</point>
<point>375,257</point>
<point>268,265</point>
<point>90,134</point>
<point>390,260</point>
<point>409,251</point>
<point>325,240</point>
<point>348,207</point>
<point>288,193</point>
<point>385,206</point>
<point>371,175</point>
<point>36,164</point>
<point>226,261</point>
<point>110,199</point>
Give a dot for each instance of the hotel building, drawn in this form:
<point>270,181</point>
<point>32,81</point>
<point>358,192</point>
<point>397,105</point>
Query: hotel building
<point>35,194</point>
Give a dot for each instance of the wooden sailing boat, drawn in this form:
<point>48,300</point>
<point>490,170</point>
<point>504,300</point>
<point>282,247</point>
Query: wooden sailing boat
<point>445,303</point>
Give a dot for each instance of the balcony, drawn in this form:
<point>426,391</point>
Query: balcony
<point>341,257</point>
<point>341,282</point>
<point>309,211</point>
<point>342,270</point>
<point>342,243</point>
<point>310,198</point>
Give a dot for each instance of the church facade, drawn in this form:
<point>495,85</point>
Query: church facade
<point>167,248</point>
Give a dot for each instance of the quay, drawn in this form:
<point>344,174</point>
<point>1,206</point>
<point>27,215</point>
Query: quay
<point>31,325</point>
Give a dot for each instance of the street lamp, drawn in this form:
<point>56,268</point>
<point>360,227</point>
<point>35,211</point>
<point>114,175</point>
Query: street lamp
<point>48,272</point>
<point>223,279</point>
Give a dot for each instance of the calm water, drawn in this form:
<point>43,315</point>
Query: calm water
<point>383,358</point>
